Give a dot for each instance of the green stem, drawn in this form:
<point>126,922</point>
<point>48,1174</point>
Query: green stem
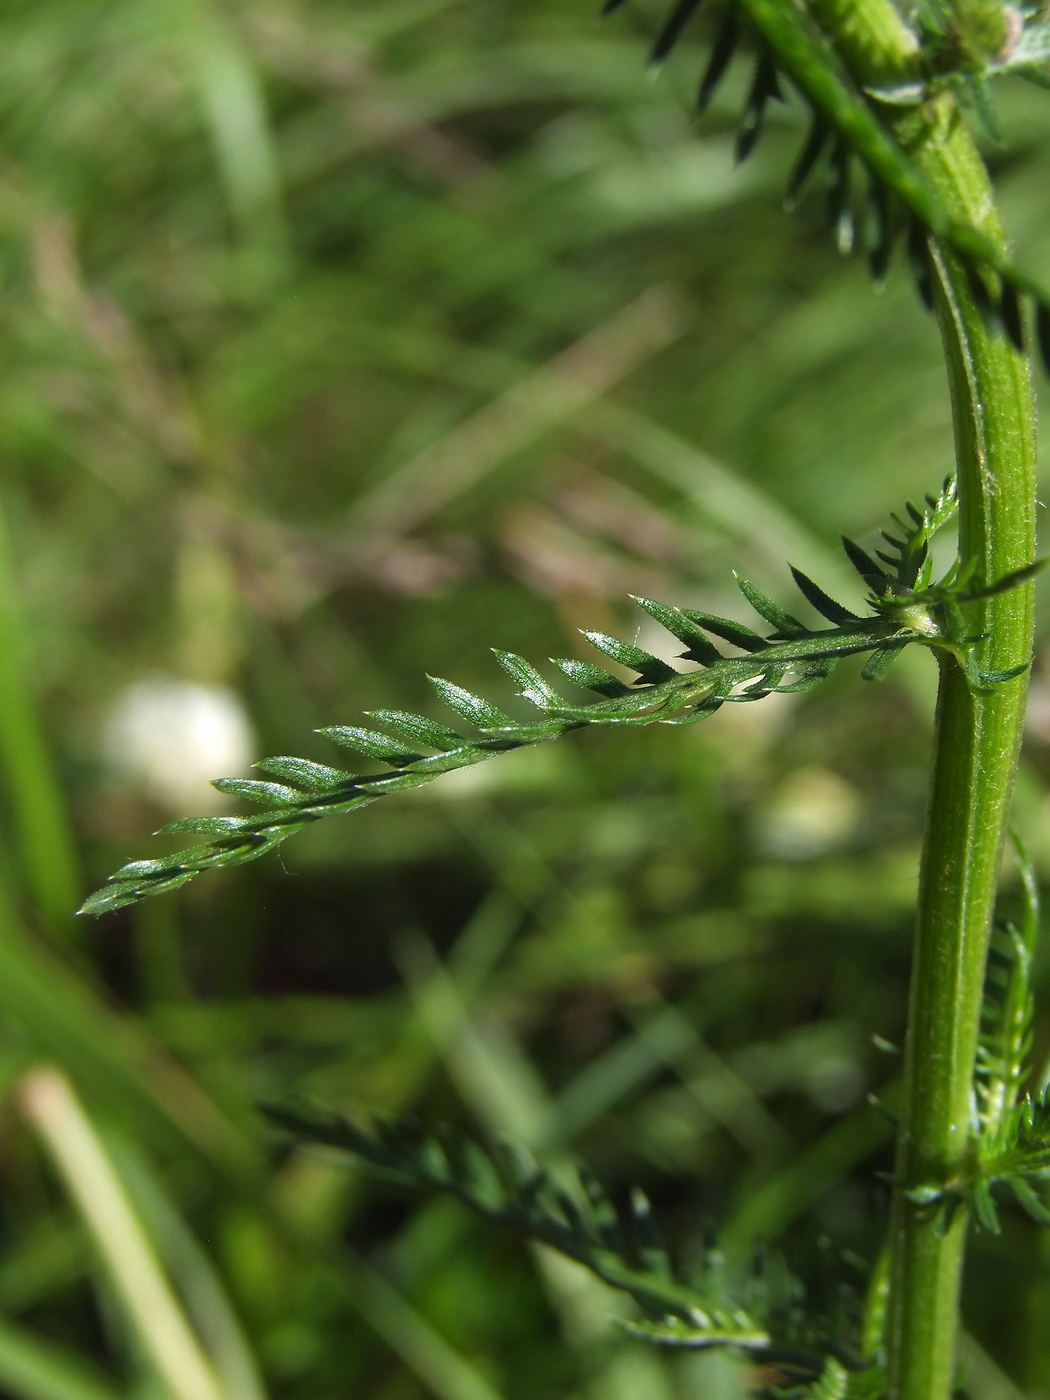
<point>975,753</point>
<point>977,736</point>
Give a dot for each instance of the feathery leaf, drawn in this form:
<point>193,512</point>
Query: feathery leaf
<point>793,658</point>
<point>507,1187</point>
<point>675,621</point>
<point>865,565</point>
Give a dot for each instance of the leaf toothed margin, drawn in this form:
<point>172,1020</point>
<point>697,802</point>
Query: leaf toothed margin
<point>906,607</point>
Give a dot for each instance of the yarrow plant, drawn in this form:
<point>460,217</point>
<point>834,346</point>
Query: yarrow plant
<point>887,86</point>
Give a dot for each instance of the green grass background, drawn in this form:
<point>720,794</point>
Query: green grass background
<point>341,340</point>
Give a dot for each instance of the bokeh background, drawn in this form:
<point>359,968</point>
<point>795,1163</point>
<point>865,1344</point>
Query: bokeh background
<point>342,340</point>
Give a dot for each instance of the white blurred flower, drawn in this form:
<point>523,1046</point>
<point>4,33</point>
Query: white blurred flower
<point>812,812</point>
<point>168,738</point>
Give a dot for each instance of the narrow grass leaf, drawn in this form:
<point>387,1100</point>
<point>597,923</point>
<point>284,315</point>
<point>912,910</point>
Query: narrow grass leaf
<point>34,800</point>
<point>34,1367</point>
<point>49,1102</point>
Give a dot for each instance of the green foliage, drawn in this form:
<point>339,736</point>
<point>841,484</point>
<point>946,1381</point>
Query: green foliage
<point>1012,1127</point>
<point>956,52</point>
<point>1014,1132</point>
<point>508,1188</point>
<point>1006,1038</point>
<point>211,374</point>
<point>577,1218</point>
<point>907,607</point>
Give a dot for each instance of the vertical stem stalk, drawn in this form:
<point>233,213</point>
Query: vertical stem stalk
<point>977,736</point>
<point>976,743</point>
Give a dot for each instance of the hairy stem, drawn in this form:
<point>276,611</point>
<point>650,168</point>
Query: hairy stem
<point>976,744</point>
<point>977,736</point>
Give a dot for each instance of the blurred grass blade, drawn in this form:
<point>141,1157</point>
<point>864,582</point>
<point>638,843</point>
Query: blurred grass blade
<point>541,400</point>
<point>66,1019</point>
<point>768,1211</point>
<point>724,497</point>
<point>233,102</point>
<point>206,1298</point>
<point>504,1089</point>
<point>36,805</point>
<point>48,1101</point>
<point>719,1090</point>
<point>441,1368</point>
<point>48,1256</point>
<point>32,1368</point>
<point>663,1037</point>
<point>493,1075</point>
<point>628,1064</point>
<point>980,1377</point>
